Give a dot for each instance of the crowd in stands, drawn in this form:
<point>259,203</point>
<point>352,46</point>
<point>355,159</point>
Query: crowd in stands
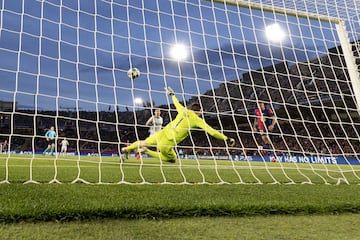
<point>291,137</point>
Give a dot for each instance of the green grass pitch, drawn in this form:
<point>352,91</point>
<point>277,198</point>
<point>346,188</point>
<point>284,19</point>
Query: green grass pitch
<point>95,169</point>
<point>122,208</point>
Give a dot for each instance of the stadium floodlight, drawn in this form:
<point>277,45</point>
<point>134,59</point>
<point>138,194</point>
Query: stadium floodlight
<point>275,33</point>
<point>179,53</point>
<point>138,101</point>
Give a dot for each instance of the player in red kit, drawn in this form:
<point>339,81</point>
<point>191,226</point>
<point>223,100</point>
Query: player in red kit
<point>264,123</point>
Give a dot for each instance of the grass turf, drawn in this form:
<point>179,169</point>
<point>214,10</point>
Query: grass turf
<point>66,169</point>
<point>319,227</point>
<point>81,202</point>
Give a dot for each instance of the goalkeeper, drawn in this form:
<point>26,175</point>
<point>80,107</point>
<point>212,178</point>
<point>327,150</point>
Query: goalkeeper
<point>175,132</point>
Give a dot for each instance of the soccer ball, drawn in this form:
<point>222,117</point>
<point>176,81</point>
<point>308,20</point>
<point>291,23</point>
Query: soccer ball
<point>133,73</point>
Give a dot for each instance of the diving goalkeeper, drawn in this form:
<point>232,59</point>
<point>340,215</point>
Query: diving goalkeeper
<point>175,132</point>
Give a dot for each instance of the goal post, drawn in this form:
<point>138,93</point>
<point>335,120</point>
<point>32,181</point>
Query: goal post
<point>64,64</point>
<point>350,61</point>
<point>274,9</point>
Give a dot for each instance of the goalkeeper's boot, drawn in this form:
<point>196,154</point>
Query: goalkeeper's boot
<point>125,153</point>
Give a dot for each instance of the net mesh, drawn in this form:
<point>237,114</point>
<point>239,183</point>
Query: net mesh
<point>65,63</point>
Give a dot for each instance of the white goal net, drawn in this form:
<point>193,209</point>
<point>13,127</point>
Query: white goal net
<point>279,77</point>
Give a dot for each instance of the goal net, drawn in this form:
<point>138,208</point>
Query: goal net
<point>279,77</point>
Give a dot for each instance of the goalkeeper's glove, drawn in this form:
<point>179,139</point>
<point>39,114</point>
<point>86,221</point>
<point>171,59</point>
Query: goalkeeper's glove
<point>169,91</point>
<point>230,142</point>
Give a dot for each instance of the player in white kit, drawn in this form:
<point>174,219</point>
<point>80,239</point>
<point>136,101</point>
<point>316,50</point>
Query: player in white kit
<point>155,122</point>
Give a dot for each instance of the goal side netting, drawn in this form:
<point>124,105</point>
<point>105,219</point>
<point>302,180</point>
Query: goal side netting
<point>280,77</point>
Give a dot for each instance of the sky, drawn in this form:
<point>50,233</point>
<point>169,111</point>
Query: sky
<point>65,54</point>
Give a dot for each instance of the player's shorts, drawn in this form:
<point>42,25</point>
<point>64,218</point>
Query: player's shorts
<point>163,144</point>
<point>264,132</point>
<point>51,141</point>
<point>64,149</point>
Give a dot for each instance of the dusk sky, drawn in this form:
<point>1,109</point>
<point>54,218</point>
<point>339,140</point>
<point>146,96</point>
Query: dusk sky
<point>64,53</point>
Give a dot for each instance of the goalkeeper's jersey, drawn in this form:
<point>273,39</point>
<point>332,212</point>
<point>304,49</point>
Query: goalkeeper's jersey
<point>50,134</point>
<point>185,121</point>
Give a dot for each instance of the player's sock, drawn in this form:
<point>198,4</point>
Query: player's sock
<point>52,150</point>
<point>133,146</point>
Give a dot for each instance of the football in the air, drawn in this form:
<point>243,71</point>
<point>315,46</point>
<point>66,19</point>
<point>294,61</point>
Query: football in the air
<point>133,73</point>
